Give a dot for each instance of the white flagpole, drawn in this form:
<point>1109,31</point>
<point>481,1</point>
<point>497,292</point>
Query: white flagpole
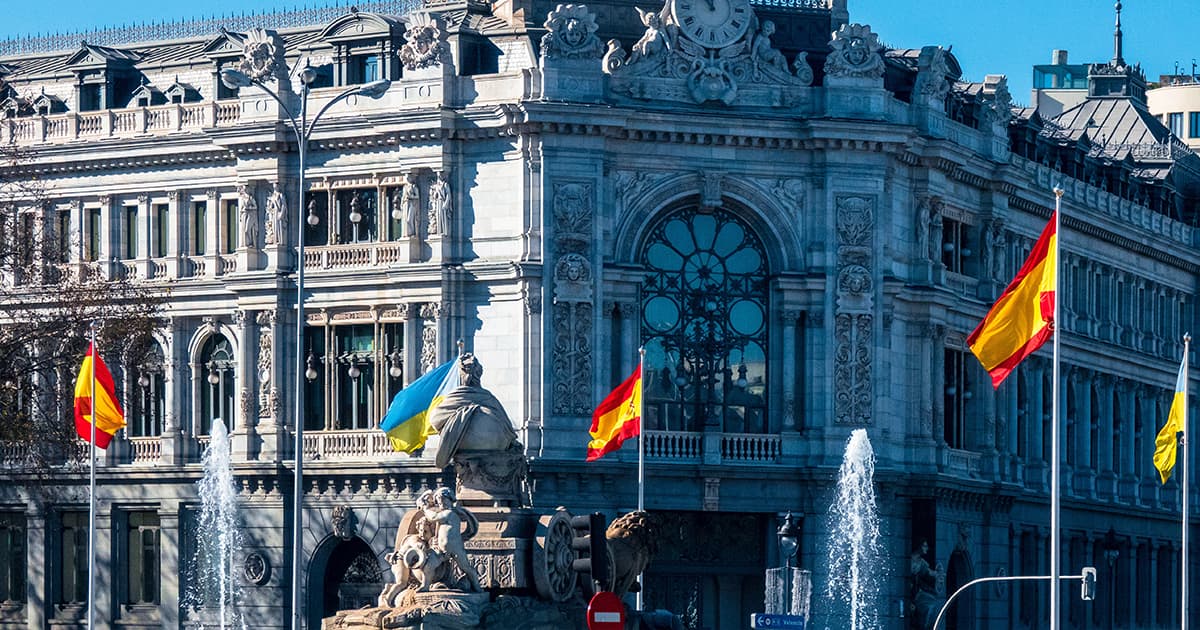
<point>641,455</point>
<point>91,596</point>
<point>1183,443</point>
<point>1055,551</point>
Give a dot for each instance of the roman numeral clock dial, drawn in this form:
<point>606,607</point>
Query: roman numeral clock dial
<point>712,23</point>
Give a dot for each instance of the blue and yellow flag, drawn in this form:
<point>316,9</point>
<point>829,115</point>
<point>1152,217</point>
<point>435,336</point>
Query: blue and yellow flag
<point>1167,441</point>
<point>406,422</point>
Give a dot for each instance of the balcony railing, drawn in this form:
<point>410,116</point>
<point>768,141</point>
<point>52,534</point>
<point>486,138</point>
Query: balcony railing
<point>355,444</point>
<point>120,123</point>
<point>352,255</point>
<point>727,448</point>
<point>145,450</point>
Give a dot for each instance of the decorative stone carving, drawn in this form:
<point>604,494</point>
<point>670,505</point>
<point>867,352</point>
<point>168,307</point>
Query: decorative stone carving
<point>572,358</point>
<point>429,552</point>
<point>854,319</point>
<point>256,569</point>
<point>343,522</point>
<point>441,207</point>
<point>431,311</point>
<point>670,62</point>
<point>632,542</point>
<point>428,346</point>
<point>265,321</point>
<point>573,210</point>
<point>275,228</point>
<point>855,53</point>
<point>571,34</point>
<point>406,204</point>
<point>710,193</point>
<point>932,81</point>
<point>246,403</point>
<point>262,55</point>
<point>247,217</point>
<point>572,279</point>
<point>995,251</point>
<point>997,99</point>
<point>425,45</point>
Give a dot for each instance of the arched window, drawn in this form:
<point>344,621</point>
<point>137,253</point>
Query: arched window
<point>149,397</point>
<point>216,384</point>
<point>704,305</point>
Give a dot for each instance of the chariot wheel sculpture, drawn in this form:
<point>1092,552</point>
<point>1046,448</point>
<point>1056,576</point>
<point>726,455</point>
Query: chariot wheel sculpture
<point>552,557</point>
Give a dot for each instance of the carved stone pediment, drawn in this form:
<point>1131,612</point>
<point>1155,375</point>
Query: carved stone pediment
<point>668,64</point>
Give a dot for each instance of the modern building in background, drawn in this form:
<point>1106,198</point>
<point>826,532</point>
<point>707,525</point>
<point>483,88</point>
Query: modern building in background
<point>800,225</point>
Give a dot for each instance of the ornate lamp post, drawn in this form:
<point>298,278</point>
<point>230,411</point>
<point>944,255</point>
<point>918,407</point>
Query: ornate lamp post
<point>788,588</point>
<point>302,128</point>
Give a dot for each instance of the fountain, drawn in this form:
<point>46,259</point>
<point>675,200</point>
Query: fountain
<point>218,537</point>
<point>855,566</point>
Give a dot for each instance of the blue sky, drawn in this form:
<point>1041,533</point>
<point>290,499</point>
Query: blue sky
<point>988,37</point>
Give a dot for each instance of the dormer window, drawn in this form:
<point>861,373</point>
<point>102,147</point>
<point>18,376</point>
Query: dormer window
<point>104,77</point>
<point>364,47</point>
<point>90,97</point>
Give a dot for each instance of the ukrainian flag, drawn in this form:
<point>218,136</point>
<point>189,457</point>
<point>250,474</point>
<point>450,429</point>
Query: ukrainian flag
<point>406,422</point>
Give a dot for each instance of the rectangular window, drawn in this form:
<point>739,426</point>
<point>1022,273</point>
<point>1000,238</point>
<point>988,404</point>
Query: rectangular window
<point>143,567</point>
<point>354,378</point>
<point>62,231</point>
<point>93,233</point>
<point>1176,124</point>
<point>314,377</point>
<point>199,228</point>
<point>73,558</point>
<point>229,226</point>
<point>27,238</point>
<point>162,215</point>
<point>131,232</point>
<point>356,216</point>
<point>955,249</point>
<point>362,69</point>
<point>89,97</point>
<point>1194,124</point>
<point>957,394</point>
<point>12,550</point>
<point>316,219</point>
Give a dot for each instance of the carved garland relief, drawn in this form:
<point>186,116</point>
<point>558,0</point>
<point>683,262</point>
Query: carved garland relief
<point>573,308</point>
<point>854,318</point>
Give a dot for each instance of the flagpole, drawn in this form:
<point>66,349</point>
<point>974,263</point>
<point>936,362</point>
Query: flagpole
<point>91,596</point>
<point>641,454</point>
<point>1054,413</point>
<point>1183,440</point>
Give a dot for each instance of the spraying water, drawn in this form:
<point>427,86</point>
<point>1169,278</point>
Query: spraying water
<point>855,566</point>
<point>218,538</point>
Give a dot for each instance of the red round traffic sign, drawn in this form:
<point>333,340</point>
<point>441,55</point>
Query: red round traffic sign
<point>605,612</point>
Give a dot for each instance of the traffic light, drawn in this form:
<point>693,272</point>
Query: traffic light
<point>591,551</point>
<point>1089,584</point>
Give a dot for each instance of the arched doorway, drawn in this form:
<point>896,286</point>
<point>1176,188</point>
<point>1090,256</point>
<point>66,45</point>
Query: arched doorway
<point>344,574</point>
<point>959,573</point>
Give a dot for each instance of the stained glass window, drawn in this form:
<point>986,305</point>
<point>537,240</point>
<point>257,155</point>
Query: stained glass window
<point>704,310</point>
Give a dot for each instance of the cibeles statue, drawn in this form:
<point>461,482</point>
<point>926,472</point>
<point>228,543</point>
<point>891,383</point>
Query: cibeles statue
<point>478,438</point>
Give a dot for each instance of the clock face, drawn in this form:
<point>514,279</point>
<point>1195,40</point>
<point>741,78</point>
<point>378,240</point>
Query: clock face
<point>712,23</point>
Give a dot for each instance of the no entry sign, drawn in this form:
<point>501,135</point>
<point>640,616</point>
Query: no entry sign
<point>605,612</point>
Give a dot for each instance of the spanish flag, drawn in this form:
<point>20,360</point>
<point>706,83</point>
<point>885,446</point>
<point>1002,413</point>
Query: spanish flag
<point>618,418</point>
<point>406,422</point>
<point>1021,320</point>
<point>1167,441</point>
<point>109,416</point>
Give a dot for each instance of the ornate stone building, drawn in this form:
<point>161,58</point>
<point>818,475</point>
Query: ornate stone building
<point>799,224</point>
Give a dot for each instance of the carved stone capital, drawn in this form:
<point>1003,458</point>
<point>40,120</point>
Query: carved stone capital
<point>265,318</point>
<point>710,192</point>
<point>432,310</point>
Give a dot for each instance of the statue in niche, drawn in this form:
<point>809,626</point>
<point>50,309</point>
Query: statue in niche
<point>440,208</point>
<point>923,588</point>
<point>470,418</point>
<point>993,253</point>
<point>763,53</point>
<point>247,218</point>
<point>409,204</point>
<point>276,216</point>
<point>923,228</point>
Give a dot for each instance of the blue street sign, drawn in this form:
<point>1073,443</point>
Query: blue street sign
<point>780,622</point>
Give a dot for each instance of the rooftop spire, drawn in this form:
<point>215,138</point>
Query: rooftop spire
<point>1118,60</point>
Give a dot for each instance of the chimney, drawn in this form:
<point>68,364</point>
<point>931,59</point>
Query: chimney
<point>1058,57</point>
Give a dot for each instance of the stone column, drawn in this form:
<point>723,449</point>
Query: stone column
<point>412,341</point>
<point>1106,478</point>
<point>107,255</point>
<point>789,320</point>
<point>170,578</point>
<point>1150,485</point>
<point>37,559</point>
<point>242,434</point>
<point>271,373</point>
<point>142,247</point>
<point>106,572</point>
<point>630,341</point>
<point>937,381</point>
<point>176,208</point>
<point>212,253</point>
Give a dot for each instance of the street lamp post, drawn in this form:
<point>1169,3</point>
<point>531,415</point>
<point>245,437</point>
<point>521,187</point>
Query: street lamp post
<point>302,128</point>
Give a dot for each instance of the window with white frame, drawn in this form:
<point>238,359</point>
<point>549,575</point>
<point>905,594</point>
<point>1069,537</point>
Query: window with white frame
<point>216,384</point>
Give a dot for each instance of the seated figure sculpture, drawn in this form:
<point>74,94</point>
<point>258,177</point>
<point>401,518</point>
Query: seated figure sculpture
<point>470,418</point>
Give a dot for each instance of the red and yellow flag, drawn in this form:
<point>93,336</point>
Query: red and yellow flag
<point>109,416</point>
<point>618,418</point>
<point>1021,320</point>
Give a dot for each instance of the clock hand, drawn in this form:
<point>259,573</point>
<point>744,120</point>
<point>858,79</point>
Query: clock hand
<point>712,6</point>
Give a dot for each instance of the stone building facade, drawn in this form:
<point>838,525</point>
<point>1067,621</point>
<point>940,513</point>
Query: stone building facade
<point>799,224</point>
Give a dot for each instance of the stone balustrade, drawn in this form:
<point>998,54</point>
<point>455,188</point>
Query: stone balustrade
<point>120,123</point>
